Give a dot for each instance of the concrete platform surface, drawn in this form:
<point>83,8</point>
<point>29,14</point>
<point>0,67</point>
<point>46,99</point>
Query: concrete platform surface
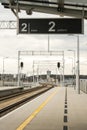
<point>77,110</point>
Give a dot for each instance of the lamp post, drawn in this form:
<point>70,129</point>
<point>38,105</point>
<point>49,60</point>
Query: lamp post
<point>78,69</point>
<point>74,64</point>
<point>74,58</point>
<point>71,58</point>
<point>3,70</point>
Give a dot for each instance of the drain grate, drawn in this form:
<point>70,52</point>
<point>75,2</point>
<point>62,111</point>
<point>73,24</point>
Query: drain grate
<point>65,127</point>
<point>65,102</point>
<point>65,106</point>
<point>65,111</point>
<point>65,119</point>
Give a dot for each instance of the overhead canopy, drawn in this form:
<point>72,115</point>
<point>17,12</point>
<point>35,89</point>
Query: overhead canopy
<point>77,8</point>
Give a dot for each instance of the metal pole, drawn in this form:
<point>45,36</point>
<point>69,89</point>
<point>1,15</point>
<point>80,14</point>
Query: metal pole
<point>33,71</point>
<point>3,74</point>
<point>17,17</point>
<point>71,58</point>
<point>74,62</point>
<point>63,69</point>
<point>56,77</point>
<point>74,70</point>
<point>18,68</point>
<point>77,74</point>
<point>37,73</point>
<point>3,70</point>
<point>73,67</point>
<point>48,43</point>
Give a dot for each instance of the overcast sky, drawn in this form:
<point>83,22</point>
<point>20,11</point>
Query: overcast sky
<point>10,44</point>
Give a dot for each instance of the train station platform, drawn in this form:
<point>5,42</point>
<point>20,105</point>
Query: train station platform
<point>57,109</point>
<point>5,91</point>
<point>7,88</point>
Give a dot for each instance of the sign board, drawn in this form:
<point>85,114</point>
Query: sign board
<point>51,26</point>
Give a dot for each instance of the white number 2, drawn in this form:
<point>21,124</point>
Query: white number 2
<point>24,27</point>
<point>52,26</point>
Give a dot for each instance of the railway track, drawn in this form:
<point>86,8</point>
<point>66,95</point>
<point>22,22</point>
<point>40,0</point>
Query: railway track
<point>14,101</point>
<point>21,92</point>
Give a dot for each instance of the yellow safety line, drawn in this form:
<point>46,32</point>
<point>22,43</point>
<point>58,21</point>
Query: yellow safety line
<point>30,118</point>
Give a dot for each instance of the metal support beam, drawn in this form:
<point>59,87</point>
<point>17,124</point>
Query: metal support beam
<point>39,53</point>
<point>8,24</point>
<point>15,12</point>
<point>60,5</point>
<point>43,53</point>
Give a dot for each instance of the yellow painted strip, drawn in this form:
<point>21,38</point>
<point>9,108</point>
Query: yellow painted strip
<point>30,118</point>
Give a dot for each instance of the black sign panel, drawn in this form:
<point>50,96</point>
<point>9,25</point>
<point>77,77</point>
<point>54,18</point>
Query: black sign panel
<point>50,26</point>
